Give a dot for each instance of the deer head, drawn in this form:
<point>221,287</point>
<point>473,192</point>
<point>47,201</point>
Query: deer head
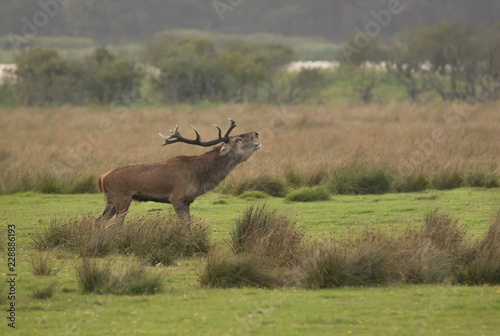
<point>240,146</point>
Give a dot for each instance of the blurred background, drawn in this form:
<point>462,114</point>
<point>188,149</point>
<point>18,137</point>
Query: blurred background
<point>56,52</point>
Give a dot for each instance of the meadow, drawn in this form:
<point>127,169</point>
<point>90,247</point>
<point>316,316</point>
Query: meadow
<point>395,147</point>
<point>186,307</point>
<point>345,171</point>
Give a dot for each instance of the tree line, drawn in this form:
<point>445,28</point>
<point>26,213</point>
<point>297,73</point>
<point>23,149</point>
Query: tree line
<point>448,61</point>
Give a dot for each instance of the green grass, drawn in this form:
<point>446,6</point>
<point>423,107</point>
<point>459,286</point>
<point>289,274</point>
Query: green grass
<point>188,308</point>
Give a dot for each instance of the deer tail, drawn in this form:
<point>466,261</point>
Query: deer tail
<point>99,183</point>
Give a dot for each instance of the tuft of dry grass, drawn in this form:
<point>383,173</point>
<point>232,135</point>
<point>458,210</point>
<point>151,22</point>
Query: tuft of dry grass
<point>44,292</point>
<point>163,239</point>
<point>122,278</point>
<point>482,262</point>
<point>265,233</point>
<point>430,254</point>
<point>226,270</point>
<point>155,238</point>
<point>41,265</point>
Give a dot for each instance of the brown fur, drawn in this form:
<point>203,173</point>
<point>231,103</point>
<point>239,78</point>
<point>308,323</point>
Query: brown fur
<point>178,180</point>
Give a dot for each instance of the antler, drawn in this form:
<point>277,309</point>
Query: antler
<point>177,137</point>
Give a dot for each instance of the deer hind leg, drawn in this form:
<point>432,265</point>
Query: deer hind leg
<point>121,207</point>
<point>108,213</point>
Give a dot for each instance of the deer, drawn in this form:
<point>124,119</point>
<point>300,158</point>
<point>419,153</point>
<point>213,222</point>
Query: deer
<point>179,180</point>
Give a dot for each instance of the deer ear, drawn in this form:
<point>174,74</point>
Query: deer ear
<point>224,150</point>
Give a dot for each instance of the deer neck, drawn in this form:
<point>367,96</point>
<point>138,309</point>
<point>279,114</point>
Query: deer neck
<point>215,168</point>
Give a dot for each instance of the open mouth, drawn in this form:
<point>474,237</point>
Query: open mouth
<point>257,145</point>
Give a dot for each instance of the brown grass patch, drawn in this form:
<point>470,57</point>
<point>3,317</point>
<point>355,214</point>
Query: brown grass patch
<point>304,148</point>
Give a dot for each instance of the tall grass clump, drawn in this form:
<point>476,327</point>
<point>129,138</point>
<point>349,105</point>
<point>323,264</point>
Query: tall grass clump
<point>225,270</point>
<point>447,180</point>
<point>84,185</point>
<point>444,232</point>
<point>482,264</point>
<point>308,194</point>
<point>430,254</point>
<point>57,233</point>
<point>162,239</point>
<point>155,238</point>
<point>482,180</point>
<point>356,263</point>
<point>44,292</point>
<point>271,185</point>
<point>357,181</point>
<point>265,233</point>
<point>413,182</point>
<point>42,265</point>
<point>79,235</point>
<point>306,178</point>
<point>123,278</point>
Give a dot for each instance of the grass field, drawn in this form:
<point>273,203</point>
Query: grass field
<point>184,307</point>
<point>403,147</point>
<point>360,160</point>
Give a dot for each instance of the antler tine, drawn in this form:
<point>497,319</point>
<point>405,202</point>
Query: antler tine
<point>220,131</point>
<point>198,136</point>
<point>233,125</point>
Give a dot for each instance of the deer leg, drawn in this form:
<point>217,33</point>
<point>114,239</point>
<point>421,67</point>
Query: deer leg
<point>122,209</point>
<point>182,211</point>
<point>109,212</point>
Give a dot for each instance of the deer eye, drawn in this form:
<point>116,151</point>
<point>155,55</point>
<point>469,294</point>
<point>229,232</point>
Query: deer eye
<point>237,140</point>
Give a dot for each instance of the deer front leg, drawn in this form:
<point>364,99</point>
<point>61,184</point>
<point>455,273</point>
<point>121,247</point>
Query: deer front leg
<point>182,210</point>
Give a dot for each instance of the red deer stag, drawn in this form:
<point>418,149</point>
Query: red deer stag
<point>178,180</point>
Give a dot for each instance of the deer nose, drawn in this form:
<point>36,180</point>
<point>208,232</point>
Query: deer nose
<point>257,134</point>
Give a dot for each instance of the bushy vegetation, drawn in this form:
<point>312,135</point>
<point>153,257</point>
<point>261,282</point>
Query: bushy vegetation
<point>155,238</point>
<point>449,61</point>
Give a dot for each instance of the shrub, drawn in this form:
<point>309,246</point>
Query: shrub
<point>41,264</point>
<point>308,194</point>
<point>45,292</point>
<point>129,278</point>
<point>224,270</point>
<point>266,234</point>
<point>356,182</point>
